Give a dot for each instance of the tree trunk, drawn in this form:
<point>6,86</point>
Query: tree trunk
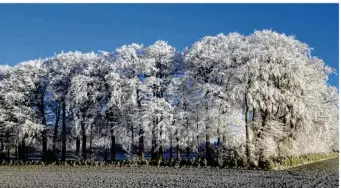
<point>132,140</point>
<point>64,131</point>
<point>247,146</point>
<point>83,146</point>
<point>160,153</point>
<point>141,131</point>
<point>44,145</point>
<point>208,144</point>
<point>170,150</point>
<point>264,117</point>
<point>44,132</point>
<point>16,152</point>
<point>105,154</point>
<point>44,141</point>
<point>187,153</point>
<point>141,144</point>
<point>8,146</point>
<point>160,146</point>
<point>208,148</point>
<point>9,153</point>
<point>113,144</point>
<point>90,146</point>
<point>55,133</point>
<point>198,142</point>
<point>26,152</point>
<point>154,152</point>
<point>78,146</point>
<point>224,140</point>
<point>177,148</point>
<point>22,151</point>
<point>84,136</point>
<point>218,132</point>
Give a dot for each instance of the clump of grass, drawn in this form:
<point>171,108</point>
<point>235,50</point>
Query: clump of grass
<point>284,162</point>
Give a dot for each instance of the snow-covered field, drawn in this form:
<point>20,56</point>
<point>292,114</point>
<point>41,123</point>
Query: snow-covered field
<point>322,174</point>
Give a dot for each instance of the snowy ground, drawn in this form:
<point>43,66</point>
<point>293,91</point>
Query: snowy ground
<point>323,174</point>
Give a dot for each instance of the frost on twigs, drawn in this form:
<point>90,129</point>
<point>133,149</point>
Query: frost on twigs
<point>259,97</point>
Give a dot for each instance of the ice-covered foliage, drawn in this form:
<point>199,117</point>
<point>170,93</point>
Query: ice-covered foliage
<point>263,96</point>
<point>18,118</point>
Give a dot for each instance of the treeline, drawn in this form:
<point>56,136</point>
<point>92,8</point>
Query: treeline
<point>260,97</point>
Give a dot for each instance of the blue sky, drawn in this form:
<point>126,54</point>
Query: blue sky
<point>30,31</point>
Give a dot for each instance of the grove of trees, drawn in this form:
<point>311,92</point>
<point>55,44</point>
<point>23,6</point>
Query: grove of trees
<point>263,95</point>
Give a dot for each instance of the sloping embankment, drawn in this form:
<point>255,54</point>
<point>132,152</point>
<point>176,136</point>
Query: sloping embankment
<point>293,162</point>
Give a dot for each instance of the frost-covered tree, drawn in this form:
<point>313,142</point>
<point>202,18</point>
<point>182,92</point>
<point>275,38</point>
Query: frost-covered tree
<point>62,68</point>
<point>162,58</point>
<point>210,62</point>
<point>272,75</point>
<point>36,72</point>
<point>84,97</point>
<point>260,97</point>
<point>19,118</point>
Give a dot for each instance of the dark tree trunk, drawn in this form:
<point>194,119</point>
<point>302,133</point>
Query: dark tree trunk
<point>154,152</point>
<point>141,144</point>
<point>198,143</point>
<point>110,124</point>
<point>64,131</point>
<point>44,141</point>
<point>8,146</point>
<point>83,146</point>
<point>9,153</point>
<point>113,154</point>
<point>160,152</point>
<point>44,132</point>
<point>224,140</point>
<point>171,150</point>
<point>208,148</point>
<point>158,93</point>
<point>187,153</point>
<point>105,158</point>
<point>219,142</point>
<point>247,146</point>
<point>141,131</point>
<point>208,144</point>
<point>90,145</point>
<point>177,147</point>
<point>22,151</point>
<point>16,152</point>
<point>160,147</point>
<point>264,117</point>
<point>78,146</point>
<point>84,136</point>
<point>26,153</point>
<point>132,140</point>
<point>55,133</point>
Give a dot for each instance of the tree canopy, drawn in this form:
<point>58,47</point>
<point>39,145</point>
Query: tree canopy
<point>264,92</point>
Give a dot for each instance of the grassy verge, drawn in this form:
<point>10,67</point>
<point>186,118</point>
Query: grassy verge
<point>294,161</point>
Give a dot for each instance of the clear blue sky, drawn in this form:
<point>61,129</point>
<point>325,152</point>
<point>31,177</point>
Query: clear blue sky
<point>30,31</point>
